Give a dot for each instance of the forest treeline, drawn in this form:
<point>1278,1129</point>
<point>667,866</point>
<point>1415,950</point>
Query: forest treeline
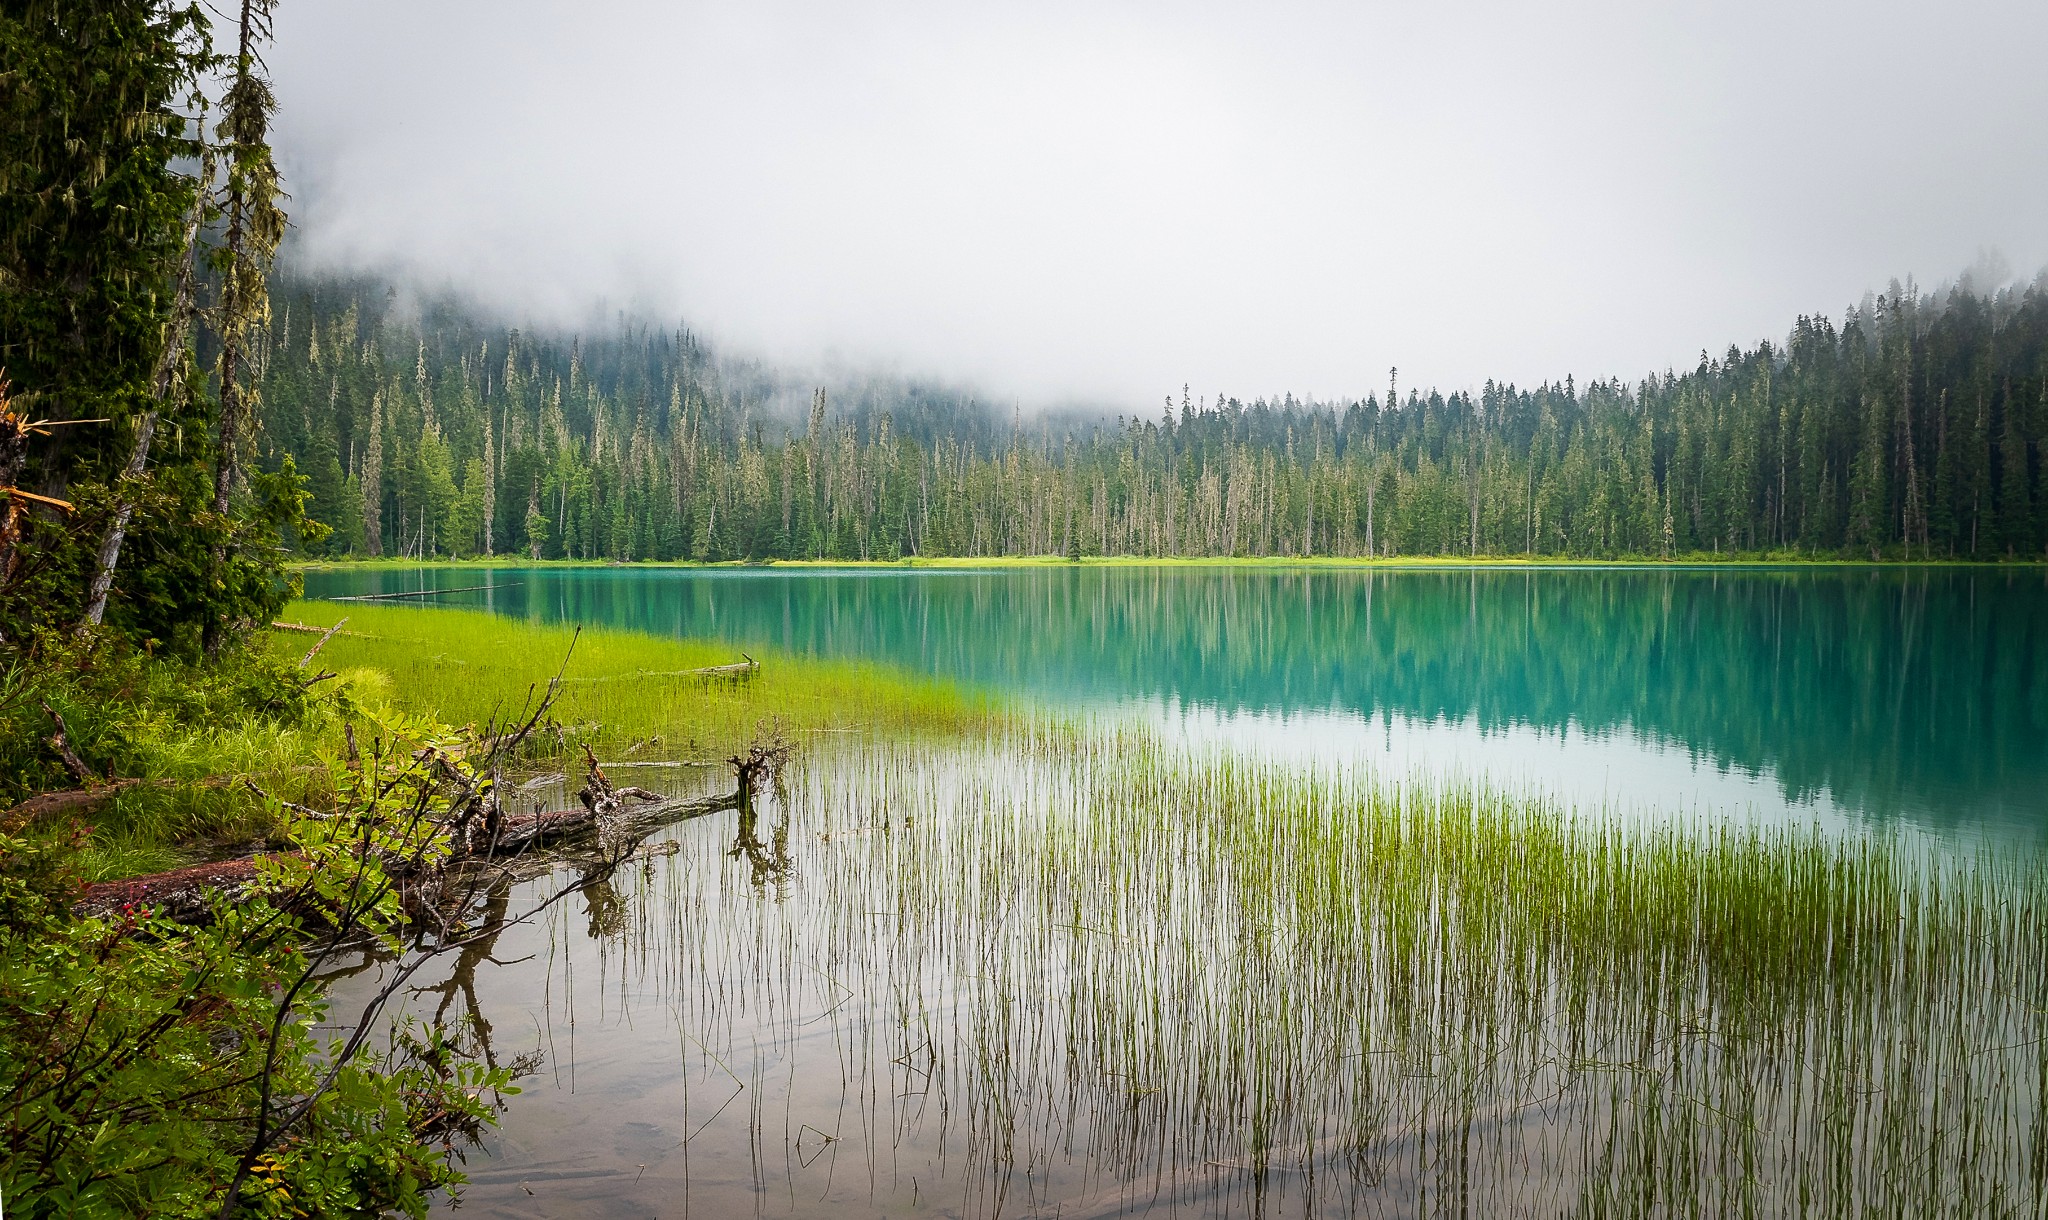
<point>1915,427</point>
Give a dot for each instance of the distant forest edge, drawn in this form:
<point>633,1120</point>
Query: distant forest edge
<point>1917,428</point>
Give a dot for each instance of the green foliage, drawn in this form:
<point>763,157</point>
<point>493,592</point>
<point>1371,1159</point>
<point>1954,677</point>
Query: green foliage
<point>90,210</point>
<point>127,712</point>
<point>101,103</point>
<point>149,1068</point>
<point>104,112</point>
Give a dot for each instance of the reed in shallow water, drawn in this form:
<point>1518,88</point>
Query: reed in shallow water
<point>1100,967</point>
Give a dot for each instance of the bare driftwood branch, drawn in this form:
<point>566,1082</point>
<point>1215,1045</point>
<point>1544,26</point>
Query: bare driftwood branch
<point>304,811</point>
<point>316,629</point>
<point>320,643</point>
<point>379,597</point>
<point>765,758</point>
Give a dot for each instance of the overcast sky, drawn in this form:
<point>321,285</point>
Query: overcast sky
<point>1104,200</point>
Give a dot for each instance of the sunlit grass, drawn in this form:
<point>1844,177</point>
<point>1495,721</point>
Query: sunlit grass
<point>620,690</point>
<point>620,694</point>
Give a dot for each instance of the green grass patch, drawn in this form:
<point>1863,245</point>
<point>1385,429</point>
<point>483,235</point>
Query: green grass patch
<point>621,690</point>
<point>204,738</point>
<point>196,735</point>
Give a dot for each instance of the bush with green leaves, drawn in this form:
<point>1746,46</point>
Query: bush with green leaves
<point>148,1067</point>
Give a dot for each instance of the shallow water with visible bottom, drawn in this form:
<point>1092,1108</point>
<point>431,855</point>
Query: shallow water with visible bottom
<point>841,1013</point>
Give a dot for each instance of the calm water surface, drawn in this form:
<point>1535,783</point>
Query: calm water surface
<point>1839,695</point>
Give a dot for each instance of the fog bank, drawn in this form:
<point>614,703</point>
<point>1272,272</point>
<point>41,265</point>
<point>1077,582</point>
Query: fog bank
<point>1103,201</point>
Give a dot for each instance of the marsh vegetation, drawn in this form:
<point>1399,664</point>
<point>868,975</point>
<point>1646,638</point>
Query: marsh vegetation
<point>1066,971</point>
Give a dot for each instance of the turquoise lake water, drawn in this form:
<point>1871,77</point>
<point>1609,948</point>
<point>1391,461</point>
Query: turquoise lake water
<point>1840,695</point>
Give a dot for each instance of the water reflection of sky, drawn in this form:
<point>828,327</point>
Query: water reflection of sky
<point>1615,771</point>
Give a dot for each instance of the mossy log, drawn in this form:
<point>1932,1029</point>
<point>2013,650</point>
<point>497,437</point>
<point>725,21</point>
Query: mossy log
<point>183,894</point>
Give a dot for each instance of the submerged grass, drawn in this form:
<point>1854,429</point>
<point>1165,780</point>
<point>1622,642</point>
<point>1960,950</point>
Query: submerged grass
<point>621,690</point>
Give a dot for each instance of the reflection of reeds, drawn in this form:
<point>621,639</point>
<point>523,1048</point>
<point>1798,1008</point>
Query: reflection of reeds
<point>1085,964</point>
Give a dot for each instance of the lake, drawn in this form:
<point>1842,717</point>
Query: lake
<point>1249,944</point>
<point>1849,695</point>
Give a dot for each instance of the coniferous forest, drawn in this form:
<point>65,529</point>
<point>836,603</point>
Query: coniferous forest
<point>1914,426</point>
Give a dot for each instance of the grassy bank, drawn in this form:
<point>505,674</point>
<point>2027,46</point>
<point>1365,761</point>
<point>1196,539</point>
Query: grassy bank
<point>198,740</point>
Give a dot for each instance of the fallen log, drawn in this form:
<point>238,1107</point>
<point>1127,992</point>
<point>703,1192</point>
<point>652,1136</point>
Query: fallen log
<point>78,800</point>
<point>605,814</point>
<point>566,825</point>
<point>378,597</point>
<point>182,893</point>
<point>185,893</point>
<point>734,672</point>
<point>316,629</point>
<point>738,671</point>
<point>71,800</point>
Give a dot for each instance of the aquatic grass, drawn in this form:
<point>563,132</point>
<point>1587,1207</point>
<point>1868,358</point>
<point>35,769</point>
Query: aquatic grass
<point>621,690</point>
<point>1073,964</point>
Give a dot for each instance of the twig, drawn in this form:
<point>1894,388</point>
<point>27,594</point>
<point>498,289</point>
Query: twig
<point>302,810</point>
<point>60,742</point>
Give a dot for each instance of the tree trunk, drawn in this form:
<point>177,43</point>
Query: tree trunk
<point>161,387</point>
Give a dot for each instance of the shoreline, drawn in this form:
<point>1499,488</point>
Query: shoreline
<point>1023,562</point>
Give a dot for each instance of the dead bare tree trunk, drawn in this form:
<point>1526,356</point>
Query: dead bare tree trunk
<point>162,385</point>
